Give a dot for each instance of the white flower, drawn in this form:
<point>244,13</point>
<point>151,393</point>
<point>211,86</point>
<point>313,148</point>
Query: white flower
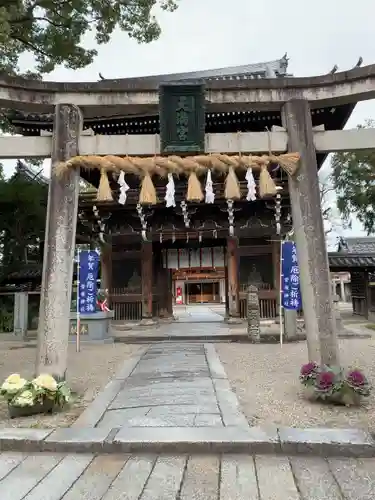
<point>46,381</point>
<point>26,398</point>
<point>13,384</point>
<point>13,379</point>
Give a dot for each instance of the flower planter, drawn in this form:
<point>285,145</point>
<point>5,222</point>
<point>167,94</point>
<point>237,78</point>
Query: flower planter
<point>26,411</point>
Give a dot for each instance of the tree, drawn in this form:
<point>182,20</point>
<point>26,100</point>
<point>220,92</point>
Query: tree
<point>330,213</point>
<point>353,175</point>
<point>53,30</point>
<point>22,221</point>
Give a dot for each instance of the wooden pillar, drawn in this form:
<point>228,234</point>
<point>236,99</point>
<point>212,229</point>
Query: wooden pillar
<point>310,238</point>
<point>164,290</point>
<point>226,289</point>
<point>146,264</point>
<point>169,292</point>
<point>161,286</point>
<point>233,279</point>
<point>106,269</point>
<point>367,295</point>
<point>276,268</point>
<point>59,248</point>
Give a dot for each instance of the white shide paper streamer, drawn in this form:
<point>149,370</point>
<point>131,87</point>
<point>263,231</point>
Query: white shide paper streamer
<point>251,187</point>
<point>123,188</point>
<point>210,195</point>
<point>169,195</point>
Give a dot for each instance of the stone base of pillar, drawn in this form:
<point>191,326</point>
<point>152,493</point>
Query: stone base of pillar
<point>232,320</point>
<point>290,323</point>
<point>148,322</point>
<point>166,319</point>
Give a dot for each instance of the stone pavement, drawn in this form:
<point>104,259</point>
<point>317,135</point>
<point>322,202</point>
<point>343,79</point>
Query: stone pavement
<point>199,313</point>
<point>180,477</point>
<point>175,385</point>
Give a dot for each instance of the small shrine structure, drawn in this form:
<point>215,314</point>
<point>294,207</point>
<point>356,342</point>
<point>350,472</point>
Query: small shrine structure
<point>198,177</point>
<point>357,256</point>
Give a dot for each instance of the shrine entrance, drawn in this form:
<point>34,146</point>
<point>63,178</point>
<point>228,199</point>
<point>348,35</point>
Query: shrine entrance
<point>200,277</point>
<point>202,292</point>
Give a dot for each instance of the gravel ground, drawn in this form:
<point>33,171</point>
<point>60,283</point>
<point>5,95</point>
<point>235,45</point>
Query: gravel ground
<point>265,379</point>
<point>88,372</point>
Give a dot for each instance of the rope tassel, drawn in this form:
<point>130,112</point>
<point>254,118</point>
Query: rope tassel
<point>104,190</point>
<point>147,196</point>
<point>232,187</point>
<point>194,191</point>
<point>267,186</point>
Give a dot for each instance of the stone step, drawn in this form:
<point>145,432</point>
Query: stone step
<point>252,440</point>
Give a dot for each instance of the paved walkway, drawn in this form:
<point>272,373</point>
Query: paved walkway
<point>180,477</point>
<point>200,313</point>
<point>175,385</point>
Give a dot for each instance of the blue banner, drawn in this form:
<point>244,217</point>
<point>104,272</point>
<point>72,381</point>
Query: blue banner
<point>290,287</point>
<point>88,274</point>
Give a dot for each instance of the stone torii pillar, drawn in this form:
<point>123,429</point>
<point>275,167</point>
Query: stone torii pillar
<point>59,247</point>
<point>310,238</point>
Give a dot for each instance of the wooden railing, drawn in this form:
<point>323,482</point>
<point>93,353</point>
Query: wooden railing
<point>127,306</point>
<point>267,304</point>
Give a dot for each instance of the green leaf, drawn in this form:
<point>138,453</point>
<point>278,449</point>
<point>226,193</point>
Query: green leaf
<point>353,175</point>
<point>54,31</point>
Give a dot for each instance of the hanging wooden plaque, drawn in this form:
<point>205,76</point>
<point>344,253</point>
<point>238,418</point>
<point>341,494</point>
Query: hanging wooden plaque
<point>182,118</point>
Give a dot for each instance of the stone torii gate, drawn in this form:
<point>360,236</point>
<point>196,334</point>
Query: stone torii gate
<point>293,96</point>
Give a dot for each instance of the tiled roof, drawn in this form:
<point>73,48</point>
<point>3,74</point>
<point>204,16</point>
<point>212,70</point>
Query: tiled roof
<point>270,69</point>
<point>31,174</point>
<point>364,245</point>
<point>345,260</point>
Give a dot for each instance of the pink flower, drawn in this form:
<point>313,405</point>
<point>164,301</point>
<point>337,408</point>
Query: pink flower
<point>356,378</point>
<point>308,369</point>
<point>325,380</point>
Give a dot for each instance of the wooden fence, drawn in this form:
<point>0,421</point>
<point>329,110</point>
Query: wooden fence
<point>128,306</point>
<point>268,300</point>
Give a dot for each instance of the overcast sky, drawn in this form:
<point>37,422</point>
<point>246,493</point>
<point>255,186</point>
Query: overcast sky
<point>206,34</point>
